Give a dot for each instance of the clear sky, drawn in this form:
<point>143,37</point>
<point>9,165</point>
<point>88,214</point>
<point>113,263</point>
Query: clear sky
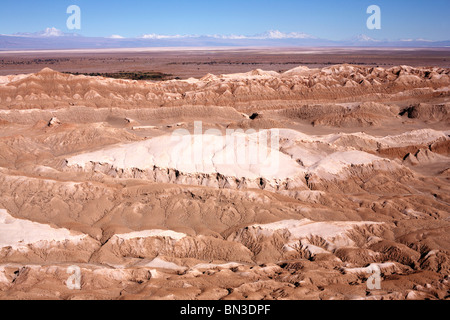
<point>329,19</point>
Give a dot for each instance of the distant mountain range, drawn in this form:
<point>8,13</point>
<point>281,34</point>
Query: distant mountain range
<point>47,33</point>
<point>52,39</point>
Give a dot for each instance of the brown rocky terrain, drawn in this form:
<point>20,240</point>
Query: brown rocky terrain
<point>91,176</point>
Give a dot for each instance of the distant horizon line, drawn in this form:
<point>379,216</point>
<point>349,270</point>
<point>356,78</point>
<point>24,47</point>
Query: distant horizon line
<point>217,48</point>
<point>52,32</point>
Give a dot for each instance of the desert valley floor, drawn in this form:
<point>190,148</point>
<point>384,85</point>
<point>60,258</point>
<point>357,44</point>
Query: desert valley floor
<point>91,176</point>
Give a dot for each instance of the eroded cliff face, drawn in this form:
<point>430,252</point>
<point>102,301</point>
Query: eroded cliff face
<point>355,181</point>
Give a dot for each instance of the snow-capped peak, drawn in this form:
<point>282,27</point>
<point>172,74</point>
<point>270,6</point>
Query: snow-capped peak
<point>47,33</point>
<point>363,38</point>
<point>51,32</point>
<point>116,36</point>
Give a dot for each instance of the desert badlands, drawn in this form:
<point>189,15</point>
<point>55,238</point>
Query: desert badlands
<point>311,183</point>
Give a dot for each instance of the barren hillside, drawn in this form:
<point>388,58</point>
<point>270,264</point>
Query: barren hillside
<point>257,185</point>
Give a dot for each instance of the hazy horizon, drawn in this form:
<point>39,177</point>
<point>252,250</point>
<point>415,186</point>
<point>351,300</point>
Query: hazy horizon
<point>336,21</point>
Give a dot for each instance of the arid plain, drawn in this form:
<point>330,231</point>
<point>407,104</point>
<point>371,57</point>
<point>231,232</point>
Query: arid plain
<point>91,176</point>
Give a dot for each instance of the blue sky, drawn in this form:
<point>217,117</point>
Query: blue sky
<point>329,19</point>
